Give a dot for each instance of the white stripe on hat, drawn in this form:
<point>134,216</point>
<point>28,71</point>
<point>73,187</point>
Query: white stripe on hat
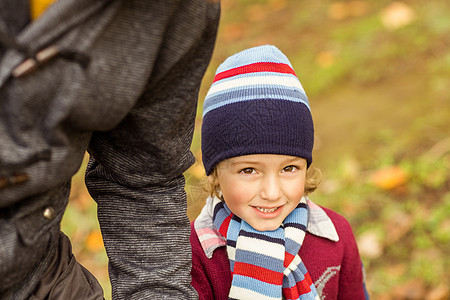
<point>285,80</point>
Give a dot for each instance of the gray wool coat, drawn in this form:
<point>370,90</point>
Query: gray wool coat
<point>120,79</point>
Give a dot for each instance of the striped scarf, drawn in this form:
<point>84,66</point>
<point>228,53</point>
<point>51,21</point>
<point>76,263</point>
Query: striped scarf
<point>266,264</point>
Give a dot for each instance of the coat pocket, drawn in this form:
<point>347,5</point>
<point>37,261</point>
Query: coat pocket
<point>76,283</point>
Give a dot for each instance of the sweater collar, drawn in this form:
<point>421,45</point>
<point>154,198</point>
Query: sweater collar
<point>319,224</point>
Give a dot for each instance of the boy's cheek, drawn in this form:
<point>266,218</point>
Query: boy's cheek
<point>238,192</point>
<point>234,196</point>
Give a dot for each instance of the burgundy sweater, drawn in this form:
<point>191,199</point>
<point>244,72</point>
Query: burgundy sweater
<point>335,267</point>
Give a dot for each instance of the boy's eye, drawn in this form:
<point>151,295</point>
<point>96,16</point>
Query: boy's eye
<point>289,169</point>
<point>247,171</point>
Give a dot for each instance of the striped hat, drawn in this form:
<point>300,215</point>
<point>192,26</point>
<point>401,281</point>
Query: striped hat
<point>256,105</point>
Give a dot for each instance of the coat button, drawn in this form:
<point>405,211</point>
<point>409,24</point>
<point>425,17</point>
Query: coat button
<point>49,213</point>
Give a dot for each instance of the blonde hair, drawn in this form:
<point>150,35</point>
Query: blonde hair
<point>312,181</point>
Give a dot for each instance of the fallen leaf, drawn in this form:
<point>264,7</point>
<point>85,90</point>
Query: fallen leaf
<point>397,15</point>
<point>389,178</point>
<point>94,241</point>
<point>369,245</point>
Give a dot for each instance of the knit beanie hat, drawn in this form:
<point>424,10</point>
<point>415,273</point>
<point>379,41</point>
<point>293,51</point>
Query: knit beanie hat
<point>256,105</point>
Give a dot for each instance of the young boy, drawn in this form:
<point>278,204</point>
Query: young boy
<point>259,236</point>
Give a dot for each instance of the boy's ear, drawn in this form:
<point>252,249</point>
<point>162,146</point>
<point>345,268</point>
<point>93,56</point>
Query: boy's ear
<point>212,179</point>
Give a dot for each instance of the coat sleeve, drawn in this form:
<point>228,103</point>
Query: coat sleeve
<point>135,172</point>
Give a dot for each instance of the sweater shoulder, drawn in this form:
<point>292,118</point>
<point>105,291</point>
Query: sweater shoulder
<point>342,225</point>
<point>339,221</point>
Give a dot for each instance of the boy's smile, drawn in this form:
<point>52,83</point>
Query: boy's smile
<point>262,189</point>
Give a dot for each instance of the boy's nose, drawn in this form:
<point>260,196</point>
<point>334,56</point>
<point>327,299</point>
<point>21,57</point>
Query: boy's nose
<point>271,189</point>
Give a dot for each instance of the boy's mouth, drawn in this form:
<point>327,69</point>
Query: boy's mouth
<point>267,210</point>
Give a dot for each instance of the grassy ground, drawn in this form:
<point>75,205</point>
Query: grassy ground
<point>377,76</point>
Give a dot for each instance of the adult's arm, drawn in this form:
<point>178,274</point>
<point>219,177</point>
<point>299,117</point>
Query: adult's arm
<point>135,170</point>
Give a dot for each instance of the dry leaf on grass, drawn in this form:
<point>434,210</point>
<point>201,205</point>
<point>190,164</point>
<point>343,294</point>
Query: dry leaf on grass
<point>94,241</point>
<point>389,178</point>
<point>397,15</point>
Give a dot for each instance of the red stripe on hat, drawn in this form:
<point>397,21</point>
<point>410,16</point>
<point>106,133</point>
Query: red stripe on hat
<point>302,287</point>
<point>259,273</point>
<point>256,67</point>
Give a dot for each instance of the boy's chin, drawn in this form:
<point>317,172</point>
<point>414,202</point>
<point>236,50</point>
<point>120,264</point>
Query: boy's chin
<point>266,227</point>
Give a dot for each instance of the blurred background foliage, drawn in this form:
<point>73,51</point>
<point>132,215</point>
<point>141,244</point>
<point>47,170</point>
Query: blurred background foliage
<point>377,75</point>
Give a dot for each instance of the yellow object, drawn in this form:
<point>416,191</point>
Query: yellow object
<point>389,178</point>
<point>37,7</point>
<point>94,241</point>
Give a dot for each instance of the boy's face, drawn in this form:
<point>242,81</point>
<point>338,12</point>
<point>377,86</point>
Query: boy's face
<point>262,189</point>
